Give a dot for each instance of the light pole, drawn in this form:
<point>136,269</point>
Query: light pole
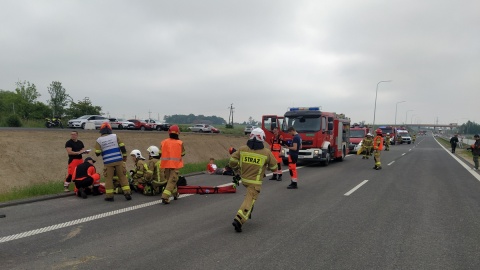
<point>411,119</point>
<point>396,106</point>
<point>375,108</point>
<point>406,113</point>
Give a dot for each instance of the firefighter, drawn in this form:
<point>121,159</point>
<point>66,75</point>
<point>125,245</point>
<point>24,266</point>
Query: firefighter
<point>387,142</point>
<point>75,149</point>
<point>293,149</point>
<point>141,170</point>
<point>414,137</point>
<point>377,147</point>
<point>367,146</point>
<point>276,148</point>
<point>113,153</point>
<point>251,160</point>
<point>171,153</point>
<point>117,188</point>
<point>85,176</point>
<point>154,180</point>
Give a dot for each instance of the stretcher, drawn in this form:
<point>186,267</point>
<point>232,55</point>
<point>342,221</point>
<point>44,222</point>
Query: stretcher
<point>206,189</point>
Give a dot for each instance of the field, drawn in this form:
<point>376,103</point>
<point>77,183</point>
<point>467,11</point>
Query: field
<point>38,156</point>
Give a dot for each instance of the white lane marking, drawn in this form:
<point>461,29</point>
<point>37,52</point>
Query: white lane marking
<point>410,149</point>
<point>404,154</point>
<point>355,188</point>
<point>467,167</point>
<point>390,163</point>
<point>81,220</point>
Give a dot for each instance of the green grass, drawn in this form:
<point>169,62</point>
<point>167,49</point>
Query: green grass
<point>56,187</point>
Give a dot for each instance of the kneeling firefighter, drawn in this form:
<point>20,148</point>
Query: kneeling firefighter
<point>251,160</point>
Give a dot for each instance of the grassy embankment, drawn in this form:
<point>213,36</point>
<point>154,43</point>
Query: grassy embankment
<point>56,187</point>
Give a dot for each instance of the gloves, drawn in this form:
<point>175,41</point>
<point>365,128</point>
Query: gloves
<point>236,180</point>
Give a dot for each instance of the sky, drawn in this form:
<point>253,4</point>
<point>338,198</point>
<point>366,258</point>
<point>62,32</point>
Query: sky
<point>151,58</point>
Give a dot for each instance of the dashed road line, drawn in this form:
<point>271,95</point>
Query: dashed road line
<point>355,188</point>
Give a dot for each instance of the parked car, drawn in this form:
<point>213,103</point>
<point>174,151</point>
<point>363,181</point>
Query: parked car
<point>81,121</point>
<point>200,128</point>
<point>248,129</point>
<point>141,125</point>
<point>119,123</point>
<point>214,129</point>
<point>158,125</point>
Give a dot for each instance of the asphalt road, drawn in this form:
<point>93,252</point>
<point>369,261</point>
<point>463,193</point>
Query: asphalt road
<point>419,212</point>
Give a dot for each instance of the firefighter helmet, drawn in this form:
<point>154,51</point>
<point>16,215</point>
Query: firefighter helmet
<point>153,151</point>
<point>369,134</point>
<point>136,153</point>
<point>105,128</point>
<point>388,133</point>
<point>378,131</point>
<point>257,134</point>
<point>174,129</point>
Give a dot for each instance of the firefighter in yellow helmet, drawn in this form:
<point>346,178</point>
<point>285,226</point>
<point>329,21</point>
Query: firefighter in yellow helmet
<point>377,147</point>
<point>251,160</point>
<point>113,153</point>
<point>171,161</point>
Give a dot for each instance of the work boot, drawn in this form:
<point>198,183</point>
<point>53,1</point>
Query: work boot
<point>128,197</point>
<point>82,193</point>
<point>165,201</point>
<point>176,196</point>
<point>109,199</point>
<point>279,177</point>
<point>375,167</point>
<point>237,225</point>
<point>378,168</point>
<point>96,192</point>
<point>274,177</point>
<point>292,185</point>
<point>363,157</point>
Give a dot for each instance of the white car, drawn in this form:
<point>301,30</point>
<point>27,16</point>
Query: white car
<point>200,128</point>
<point>80,122</point>
<point>248,129</point>
<point>119,123</point>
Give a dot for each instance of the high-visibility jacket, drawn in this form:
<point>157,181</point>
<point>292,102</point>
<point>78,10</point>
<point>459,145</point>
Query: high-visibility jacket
<point>378,143</point>
<point>252,163</point>
<point>85,170</point>
<point>111,148</point>
<point>276,147</point>
<point>171,153</point>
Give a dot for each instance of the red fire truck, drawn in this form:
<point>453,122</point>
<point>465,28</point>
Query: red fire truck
<point>325,135</point>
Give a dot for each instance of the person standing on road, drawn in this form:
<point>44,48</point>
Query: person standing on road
<point>113,153</point>
<point>251,161</point>
<point>171,161</point>
<point>453,142</point>
<point>367,146</point>
<point>387,142</point>
<point>293,150</point>
<point>475,151</point>
<point>377,147</point>
<point>75,149</point>
<point>276,147</point>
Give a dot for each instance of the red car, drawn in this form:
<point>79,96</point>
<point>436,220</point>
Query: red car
<point>141,125</point>
<point>214,129</point>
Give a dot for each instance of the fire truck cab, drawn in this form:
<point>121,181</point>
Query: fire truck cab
<point>325,135</point>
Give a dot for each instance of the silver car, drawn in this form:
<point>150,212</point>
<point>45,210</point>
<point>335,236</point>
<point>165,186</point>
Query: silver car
<point>119,123</point>
<point>248,129</point>
<point>200,128</point>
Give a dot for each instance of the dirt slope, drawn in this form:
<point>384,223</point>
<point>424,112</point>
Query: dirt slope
<point>39,156</point>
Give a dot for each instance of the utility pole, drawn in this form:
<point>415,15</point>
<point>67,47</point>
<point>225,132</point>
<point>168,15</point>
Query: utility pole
<point>230,117</point>
<point>149,112</point>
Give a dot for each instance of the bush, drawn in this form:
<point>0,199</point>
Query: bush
<point>13,121</point>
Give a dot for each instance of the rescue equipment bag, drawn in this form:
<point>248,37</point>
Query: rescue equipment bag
<point>206,189</point>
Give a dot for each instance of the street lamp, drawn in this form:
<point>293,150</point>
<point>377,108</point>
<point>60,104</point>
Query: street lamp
<point>411,119</point>
<point>375,108</point>
<point>396,106</point>
<point>406,113</point>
